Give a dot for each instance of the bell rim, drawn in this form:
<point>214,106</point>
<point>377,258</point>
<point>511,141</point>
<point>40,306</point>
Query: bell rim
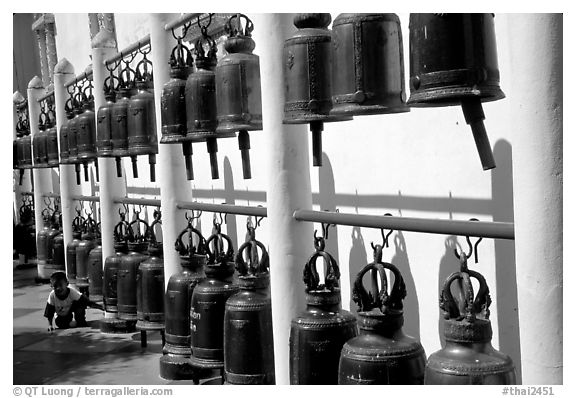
<point>452,96</point>
<point>353,109</point>
<point>347,18</point>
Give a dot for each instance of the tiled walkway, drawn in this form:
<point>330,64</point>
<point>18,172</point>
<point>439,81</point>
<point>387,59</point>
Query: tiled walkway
<point>75,356</point>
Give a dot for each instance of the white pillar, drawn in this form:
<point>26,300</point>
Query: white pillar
<point>288,187</point>
<point>171,170</point>
<point>103,47</point>
<point>42,177</point>
<point>63,72</point>
<point>536,120</point>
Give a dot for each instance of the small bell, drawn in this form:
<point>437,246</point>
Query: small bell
<point>173,101</point>
<point>381,353</point>
<point>308,77</point>
<point>238,92</point>
<point>248,339</point>
<point>318,334</point>
<point>119,122</point>
<point>175,363</point>
<point>368,73</point>
<point>200,94</point>
<point>468,356</point>
<point>142,138</point>
<point>453,61</point>
<point>104,146</point>
<point>207,304</point>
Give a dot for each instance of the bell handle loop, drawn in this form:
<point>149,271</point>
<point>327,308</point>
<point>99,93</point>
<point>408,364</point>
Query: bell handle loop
<point>204,28</point>
<point>482,300</point>
<point>213,256</point>
<point>248,27</point>
<point>260,267</point>
<point>364,299</point>
<point>182,248</point>
<point>157,221</point>
<point>138,221</point>
<point>145,75</point>
<point>331,276</point>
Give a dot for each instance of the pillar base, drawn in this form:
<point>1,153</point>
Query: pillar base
<point>117,326</point>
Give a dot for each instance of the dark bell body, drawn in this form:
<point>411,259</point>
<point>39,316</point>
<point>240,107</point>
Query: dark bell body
<point>59,253</point>
<point>73,126</point>
<point>119,128</point>
<point>142,138</point>
<point>368,72</point>
<point>381,354</point>
<point>86,136</point>
<point>52,147</point>
<point>173,109</point>
<point>71,256</point>
<point>468,357</point>
<point>95,272</point>
<point>82,260</point>
<point>25,151</point>
<point>126,285</point>
<point>316,339</point>
<point>104,127</point>
<point>150,292</point>
<point>452,57</point>
<point>64,131</point>
<point>41,237</point>
<point>39,143</point>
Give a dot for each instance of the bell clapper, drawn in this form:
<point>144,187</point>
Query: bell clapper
<point>244,146</point>
<point>474,116</point>
<point>152,162</point>
<point>118,166</point>
<point>21,176</point>
<point>316,128</point>
<point>134,166</point>
<point>97,170</point>
<point>212,146</point>
<point>77,169</point>
<point>187,152</point>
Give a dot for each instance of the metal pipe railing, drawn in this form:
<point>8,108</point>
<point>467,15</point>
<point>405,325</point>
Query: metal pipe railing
<point>51,195</point>
<point>86,75</point>
<point>484,229</point>
<point>128,50</point>
<point>224,208</point>
<point>46,96</point>
<point>137,201</point>
<point>86,198</point>
<point>185,18</point>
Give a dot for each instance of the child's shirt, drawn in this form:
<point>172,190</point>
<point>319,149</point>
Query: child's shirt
<point>62,306</point>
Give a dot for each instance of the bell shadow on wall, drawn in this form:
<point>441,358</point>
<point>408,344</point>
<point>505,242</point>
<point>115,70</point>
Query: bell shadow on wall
<point>357,259</point>
<point>327,201</point>
<point>230,198</point>
<point>411,306</point>
<point>506,287</point>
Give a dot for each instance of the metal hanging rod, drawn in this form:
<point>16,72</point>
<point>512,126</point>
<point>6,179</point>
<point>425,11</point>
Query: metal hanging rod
<point>86,75</point>
<point>484,229</point>
<point>46,96</point>
<point>183,20</point>
<point>29,193</point>
<point>224,208</point>
<point>86,198</point>
<point>137,201</point>
<point>51,195</point>
<point>143,42</point>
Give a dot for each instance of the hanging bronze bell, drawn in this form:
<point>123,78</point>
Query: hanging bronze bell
<point>59,252</point>
<point>381,353</point>
<point>453,61</point>
<point>95,271</point>
<point>142,138</point>
<point>468,356</point>
<point>208,303</point>
<point>86,244</point>
<point>52,140</point>
<point>64,131</point>
<point>150,283</point>
<point>119,128</point>
<point>308,77</point>
<point>73,127</point>
<point>41,245</point>
<point>23,142</point>
<point>111,323</point>
<point>126,285</point>
<point>201,114</point>
<point>52,235</point>
<point>39,142</point>
<point>86,136</point>
<point>175,364</point>
<point>238,92</point>
<point>77,225</point>
<point>318,333</point>
<point>173,111</point>
<point>104,147</point>
<point>248,338</point>
<point>368,73</point>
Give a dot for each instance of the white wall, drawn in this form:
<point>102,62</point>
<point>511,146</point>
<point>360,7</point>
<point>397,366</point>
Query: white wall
<point>421,164</point>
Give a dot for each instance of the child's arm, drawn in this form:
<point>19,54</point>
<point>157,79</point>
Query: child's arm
<point>85,302</point>
<point>49,313</point>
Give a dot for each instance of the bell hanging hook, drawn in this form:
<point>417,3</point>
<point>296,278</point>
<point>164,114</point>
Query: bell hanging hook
<point>204,28</point>
<point>471,248</point>
<point>385,236</point>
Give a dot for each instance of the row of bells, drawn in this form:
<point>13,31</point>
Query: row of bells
<point>358,69</point>
<point>25,231</point>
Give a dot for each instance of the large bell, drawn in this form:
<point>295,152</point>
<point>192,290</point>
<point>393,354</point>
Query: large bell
<point>468,356</point>
<point>368,73</point>
<point>52,140</point>
<point>51,238</point>
<point>64,131</point>
<point>104,117</point>
<point>73,131</point>
<point>23,141</point>
<point>318,333</point>
<point>308,77</point>
<point>248,338</point>
<point>381,353</point>
<point>201,115</point>
<point>111,323</point>
<point>86,244</point>
<point>77,225</point>
<point>95,270</point>
<point>142,138</point>
<point>86,136</point>
<point>175,364</point>
<point>208,303</point>
<point>41,246</point>
<point>173,111</point>
<point>453,61</point>
<point>238,92</point>
<point>150,284</point>
<point>127,273</point>
<point>120,116</point>
<point>39,141</point>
